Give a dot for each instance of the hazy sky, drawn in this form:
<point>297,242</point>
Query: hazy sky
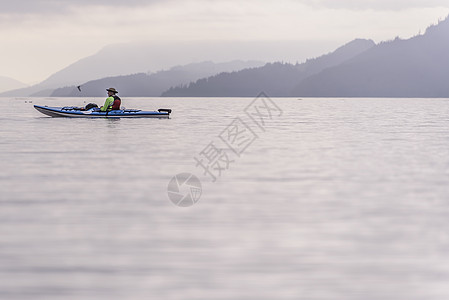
<point>39,37</point>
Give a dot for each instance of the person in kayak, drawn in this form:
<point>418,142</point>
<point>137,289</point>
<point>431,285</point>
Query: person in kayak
<point>112,102</point>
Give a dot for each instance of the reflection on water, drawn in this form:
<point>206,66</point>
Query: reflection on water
<point>337,199</point>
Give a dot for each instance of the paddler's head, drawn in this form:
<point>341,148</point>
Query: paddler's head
<point>111,91</point>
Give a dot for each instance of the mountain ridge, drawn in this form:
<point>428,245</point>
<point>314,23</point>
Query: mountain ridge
<point>152,85</point>
<point>8,83</point>
<point>276,79</point>
<point>150,56</point>
<point>415,67</point>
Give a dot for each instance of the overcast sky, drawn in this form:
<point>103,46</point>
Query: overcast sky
<point>39,37</point>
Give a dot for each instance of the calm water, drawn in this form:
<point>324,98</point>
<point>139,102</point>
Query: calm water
<point>335,199</point>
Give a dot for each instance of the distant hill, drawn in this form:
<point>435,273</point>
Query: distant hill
<point>7,83</point>
<point>417,67</point>
<point>34,91</point>
<point>143,57</point>
<point>152,85</point>
<point>275,79</point>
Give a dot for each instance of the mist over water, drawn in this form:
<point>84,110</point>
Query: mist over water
<point>335,199</point>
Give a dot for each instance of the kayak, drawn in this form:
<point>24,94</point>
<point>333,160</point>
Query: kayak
<point>77,112</point>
